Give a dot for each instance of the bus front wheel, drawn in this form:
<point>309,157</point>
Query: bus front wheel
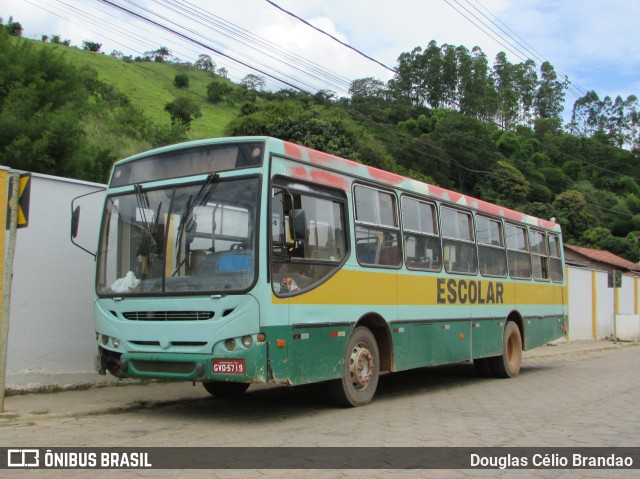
<point>360,371</point>
<point>508,364</point>
<point>225,389</point>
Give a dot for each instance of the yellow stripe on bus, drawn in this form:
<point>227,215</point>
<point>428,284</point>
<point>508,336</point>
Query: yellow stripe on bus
<point>348,287</point>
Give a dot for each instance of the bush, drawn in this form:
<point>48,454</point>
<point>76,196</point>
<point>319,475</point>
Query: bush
<point>181,80</point>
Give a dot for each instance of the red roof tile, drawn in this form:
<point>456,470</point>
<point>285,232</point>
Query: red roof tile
<point>604,257</point>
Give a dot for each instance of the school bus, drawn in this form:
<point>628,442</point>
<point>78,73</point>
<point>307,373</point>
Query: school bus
<point>245,260</point>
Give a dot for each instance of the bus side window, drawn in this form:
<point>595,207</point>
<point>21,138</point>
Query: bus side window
<point>539,258</point>
<point>518,257</point>
<point>491,252</point>
<point>377,230</point>
<point>555,261</point>
<point>460,254</point>
<point>421,238</point>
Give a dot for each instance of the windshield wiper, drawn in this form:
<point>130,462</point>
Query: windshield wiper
<point>187,221</point>
<point>150,229</point>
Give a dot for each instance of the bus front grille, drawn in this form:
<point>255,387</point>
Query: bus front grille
<point>163,366</point>
<point>173,343</point>
<point>168,315</point>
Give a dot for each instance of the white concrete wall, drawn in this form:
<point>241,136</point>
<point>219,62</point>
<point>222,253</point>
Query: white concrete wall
<point>51,331</point>
<point>585,315</point>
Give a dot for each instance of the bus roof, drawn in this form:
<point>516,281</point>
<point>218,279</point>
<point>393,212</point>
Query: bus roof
<point>352,168</point>
<point>331,163</point>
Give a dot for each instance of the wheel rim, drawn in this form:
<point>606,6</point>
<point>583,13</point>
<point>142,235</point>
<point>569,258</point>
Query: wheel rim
<point>361,367</point>
<point>513,350</point>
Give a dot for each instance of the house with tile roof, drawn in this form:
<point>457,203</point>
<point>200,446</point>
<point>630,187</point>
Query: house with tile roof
<point>580,256</point>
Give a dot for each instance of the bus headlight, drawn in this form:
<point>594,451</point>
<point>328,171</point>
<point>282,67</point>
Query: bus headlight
<point>247,341</point>
<point>230,344</point>
<point>115,342</point>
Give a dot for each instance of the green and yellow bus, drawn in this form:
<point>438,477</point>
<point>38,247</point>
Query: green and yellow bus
<point>253,260</point>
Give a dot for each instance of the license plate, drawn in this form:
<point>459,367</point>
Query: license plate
<point>228,366</point>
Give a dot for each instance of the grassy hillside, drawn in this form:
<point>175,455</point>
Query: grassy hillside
<point>150,86</point>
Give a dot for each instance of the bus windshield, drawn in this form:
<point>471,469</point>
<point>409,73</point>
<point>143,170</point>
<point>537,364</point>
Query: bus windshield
<point>180,239</point>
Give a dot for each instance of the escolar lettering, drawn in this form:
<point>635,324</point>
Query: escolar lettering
<point>462,291</point>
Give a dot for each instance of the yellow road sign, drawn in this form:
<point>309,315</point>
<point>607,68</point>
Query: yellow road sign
<point>24,193</point>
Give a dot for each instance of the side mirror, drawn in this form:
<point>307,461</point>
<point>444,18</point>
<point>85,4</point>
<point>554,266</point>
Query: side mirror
<point>297,225</point>
<point>75,221</point>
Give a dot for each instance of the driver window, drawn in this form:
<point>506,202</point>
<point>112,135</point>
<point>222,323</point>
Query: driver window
<point>308,240</point>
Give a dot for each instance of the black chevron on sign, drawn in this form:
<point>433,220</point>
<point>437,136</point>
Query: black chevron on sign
<point>24,193</point>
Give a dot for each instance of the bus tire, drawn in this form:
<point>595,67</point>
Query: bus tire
<point>508,364</point>
<point>225,389</point>
<point>482,367</point>
<point>361,370</point>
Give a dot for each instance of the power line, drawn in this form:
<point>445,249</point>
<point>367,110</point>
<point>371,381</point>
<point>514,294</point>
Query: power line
<point>250,39</point>
<point>332,37</point>
<point>501,40</point>
<point>288,82</point>
<point>198,43</point>
<point>582,91</point>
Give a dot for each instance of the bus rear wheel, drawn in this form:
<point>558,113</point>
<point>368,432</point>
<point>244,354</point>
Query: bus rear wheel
<point>225,389</point>
<point>508,364</point>
<point>360,372</point>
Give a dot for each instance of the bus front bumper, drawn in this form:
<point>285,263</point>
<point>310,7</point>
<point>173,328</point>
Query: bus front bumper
<point>249,367</point>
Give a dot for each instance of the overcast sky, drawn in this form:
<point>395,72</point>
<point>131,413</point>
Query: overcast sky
<point>593,42</point>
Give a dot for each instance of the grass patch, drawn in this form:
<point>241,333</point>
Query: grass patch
<point>150,86</point>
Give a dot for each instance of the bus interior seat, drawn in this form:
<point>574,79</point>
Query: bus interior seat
<point>390,256</point>
<point>366,252</point>
<point>235,261</point>
<point>226,261</point>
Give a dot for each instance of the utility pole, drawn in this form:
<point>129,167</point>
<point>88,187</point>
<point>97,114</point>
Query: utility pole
<point>6,284</point>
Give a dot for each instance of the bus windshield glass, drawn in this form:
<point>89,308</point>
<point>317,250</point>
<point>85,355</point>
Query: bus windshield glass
<point>181,239</point>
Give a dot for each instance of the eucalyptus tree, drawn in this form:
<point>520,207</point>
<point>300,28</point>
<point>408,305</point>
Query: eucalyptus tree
<point>449,76</point>
<point>503,74</point>
<point>526,81</point>
<point>550,95</point>
<point>409,81</point>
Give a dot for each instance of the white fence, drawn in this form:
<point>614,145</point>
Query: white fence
<point>52,336</point>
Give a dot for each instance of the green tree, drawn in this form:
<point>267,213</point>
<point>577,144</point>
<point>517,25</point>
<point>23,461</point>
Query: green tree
<point>431,65</point>
<point>253,82</point>
<point>409,80</point>
<point>367,87</point>
<point>91,46</point>
<point>507,96</point>
<point>526,81</point>
<point>216,89</point>
<point>573,214</point>
<point>42,104</point>
<point>206,63</point>
<point>601,238</point>
<point>505,185</point>
<point>160,55</point>
<point>449,76</point>
<point>316,126</point>
<point>183,110</point>
<point>12,28</point>
<point>550,95</point>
